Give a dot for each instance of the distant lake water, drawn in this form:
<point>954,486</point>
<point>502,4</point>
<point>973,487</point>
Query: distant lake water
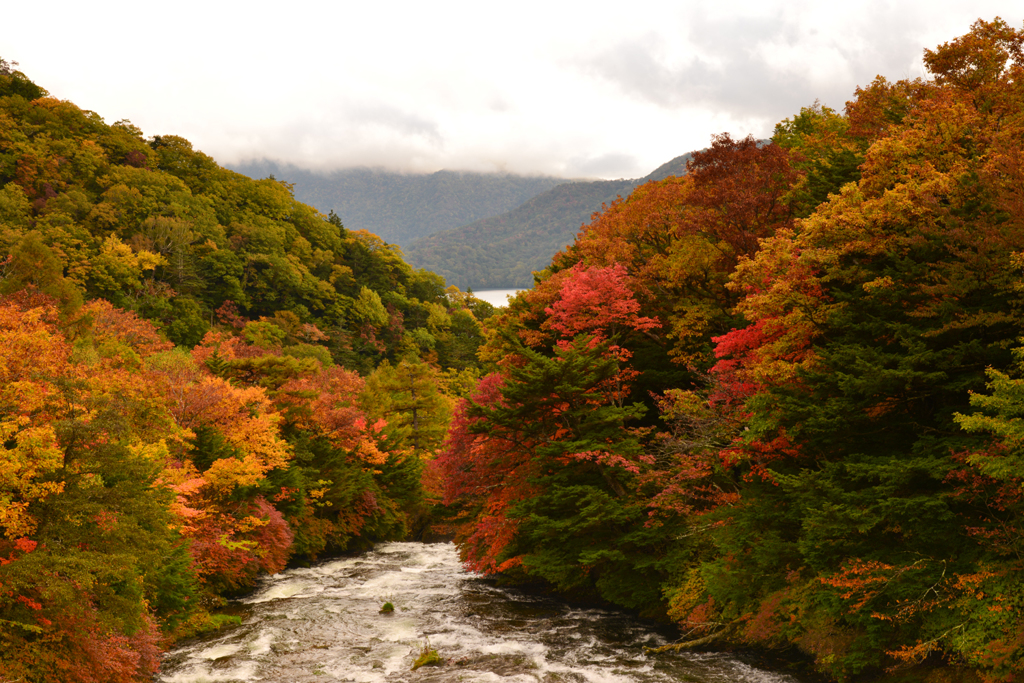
<point>496,297</point>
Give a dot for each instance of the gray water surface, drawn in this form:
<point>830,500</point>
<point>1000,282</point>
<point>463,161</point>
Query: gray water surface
<point>323,624</point>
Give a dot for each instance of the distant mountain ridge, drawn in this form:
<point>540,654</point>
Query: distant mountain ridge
<point>477,230</point>
<point>501,252</point>
<point>400,207</point>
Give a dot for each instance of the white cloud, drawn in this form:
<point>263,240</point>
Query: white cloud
<point>565,88</point>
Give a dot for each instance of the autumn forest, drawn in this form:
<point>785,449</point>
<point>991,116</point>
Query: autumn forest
<point>776,400</point>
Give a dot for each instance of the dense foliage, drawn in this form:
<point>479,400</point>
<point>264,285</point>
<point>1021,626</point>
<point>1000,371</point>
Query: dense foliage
<point>200,379</point>
<point>779,398</point>
<point>776,399</point>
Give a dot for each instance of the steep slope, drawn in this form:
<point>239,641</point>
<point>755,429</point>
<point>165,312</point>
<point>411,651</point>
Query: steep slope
<point>400,207</point>
<point>503,251</point>
<point>200,377</point>
<point>676,167</point>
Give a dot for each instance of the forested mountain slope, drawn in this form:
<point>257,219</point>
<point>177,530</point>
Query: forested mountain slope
<point>400,207</point>
<point>501,252</point>
<point>200,378</point>
<point>779,399</point>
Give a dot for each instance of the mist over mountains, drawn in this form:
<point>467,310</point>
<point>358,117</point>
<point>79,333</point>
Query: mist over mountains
<point>477,230</point>
<point>502,252</point>
<point>403,207</point>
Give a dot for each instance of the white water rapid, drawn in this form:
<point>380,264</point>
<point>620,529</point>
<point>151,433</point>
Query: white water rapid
<point>324,624</point>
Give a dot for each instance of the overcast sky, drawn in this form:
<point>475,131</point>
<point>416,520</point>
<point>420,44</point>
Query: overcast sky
<point>574,89</point>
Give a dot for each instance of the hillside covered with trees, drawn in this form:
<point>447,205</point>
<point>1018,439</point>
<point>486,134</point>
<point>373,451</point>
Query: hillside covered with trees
<point>201,379</point>
<point>779,399</point>
<point>502,252</point>
<point>476,230</point>
<point>404,207</point>
<point>776,400</point>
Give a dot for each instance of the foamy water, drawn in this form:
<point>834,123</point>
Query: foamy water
<point>324,624</point>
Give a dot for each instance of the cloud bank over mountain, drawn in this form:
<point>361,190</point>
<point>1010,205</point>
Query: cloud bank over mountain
<point>564,89</point>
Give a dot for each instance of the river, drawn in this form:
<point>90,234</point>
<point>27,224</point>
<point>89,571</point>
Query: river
<point>323,623</point>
